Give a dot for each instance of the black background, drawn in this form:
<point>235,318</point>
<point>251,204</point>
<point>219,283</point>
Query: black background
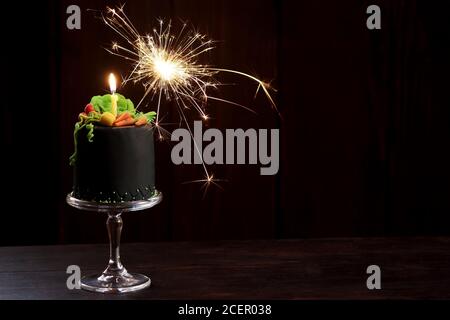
<point>364,120</point>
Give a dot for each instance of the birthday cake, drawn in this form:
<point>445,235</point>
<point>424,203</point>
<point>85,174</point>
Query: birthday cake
<point>114,153</point>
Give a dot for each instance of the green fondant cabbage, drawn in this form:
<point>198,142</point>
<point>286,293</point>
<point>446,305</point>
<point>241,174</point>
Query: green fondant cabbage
<point>103,104</point>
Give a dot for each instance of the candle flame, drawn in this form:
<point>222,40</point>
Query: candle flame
<point>112,83</point>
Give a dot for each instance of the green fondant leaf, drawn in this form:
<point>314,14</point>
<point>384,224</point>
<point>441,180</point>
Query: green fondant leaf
<point>150,116</point>
<point>130,106</point>
<point>97,103</point>
<point>106,99</point>
<point>121,104</point>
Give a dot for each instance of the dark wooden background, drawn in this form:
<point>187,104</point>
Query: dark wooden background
<point>364,131</point>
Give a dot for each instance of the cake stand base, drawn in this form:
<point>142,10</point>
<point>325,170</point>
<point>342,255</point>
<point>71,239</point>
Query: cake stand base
<point>125,282</point>
<point>115,278</point>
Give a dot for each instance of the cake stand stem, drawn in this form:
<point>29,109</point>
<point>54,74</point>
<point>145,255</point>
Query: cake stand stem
<point>115,278</point>
<point>114,225</point>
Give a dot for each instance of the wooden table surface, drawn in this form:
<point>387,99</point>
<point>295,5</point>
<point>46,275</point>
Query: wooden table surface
<point>412,268</point>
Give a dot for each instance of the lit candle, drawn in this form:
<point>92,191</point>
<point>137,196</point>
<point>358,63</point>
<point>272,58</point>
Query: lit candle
<point>114,97</point>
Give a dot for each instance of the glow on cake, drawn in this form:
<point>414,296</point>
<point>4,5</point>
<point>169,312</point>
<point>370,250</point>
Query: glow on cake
<point>167,65</point>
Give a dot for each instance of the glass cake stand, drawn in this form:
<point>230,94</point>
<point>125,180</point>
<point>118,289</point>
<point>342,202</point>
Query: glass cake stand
<point>115,278</point>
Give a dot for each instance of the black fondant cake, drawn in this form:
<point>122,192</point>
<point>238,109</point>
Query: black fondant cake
<point>118,165</point>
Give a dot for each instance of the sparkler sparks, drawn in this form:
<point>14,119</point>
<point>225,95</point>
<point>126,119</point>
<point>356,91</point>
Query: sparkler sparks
<point>167,66</point>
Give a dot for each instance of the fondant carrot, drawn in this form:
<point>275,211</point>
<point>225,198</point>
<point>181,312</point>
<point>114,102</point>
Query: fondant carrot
<point>123,116</point>
<point>127,122</point>
<point>141,121</point>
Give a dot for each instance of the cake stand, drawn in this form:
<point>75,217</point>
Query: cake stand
<point>115,278</point>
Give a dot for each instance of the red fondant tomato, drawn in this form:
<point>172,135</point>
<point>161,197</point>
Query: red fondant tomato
<point>89,108</point>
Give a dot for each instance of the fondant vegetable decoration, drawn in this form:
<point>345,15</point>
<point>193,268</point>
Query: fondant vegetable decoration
<point>123,116</point>
<point>141,121</point>
<point>107,119</point>
<point>86,121</point>
<point>103,104</point>
<point>89,108</point>
<point>100,112</point>
<point>126,122</point>
<point>125,119</point>
<point>82,116</point>
<point>150,116</point>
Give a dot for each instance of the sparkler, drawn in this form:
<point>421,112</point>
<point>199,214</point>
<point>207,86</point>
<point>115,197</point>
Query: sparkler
<point>167,65</point>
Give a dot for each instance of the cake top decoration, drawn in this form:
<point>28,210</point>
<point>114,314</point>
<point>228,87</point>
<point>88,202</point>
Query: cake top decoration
<point>110,110</point>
